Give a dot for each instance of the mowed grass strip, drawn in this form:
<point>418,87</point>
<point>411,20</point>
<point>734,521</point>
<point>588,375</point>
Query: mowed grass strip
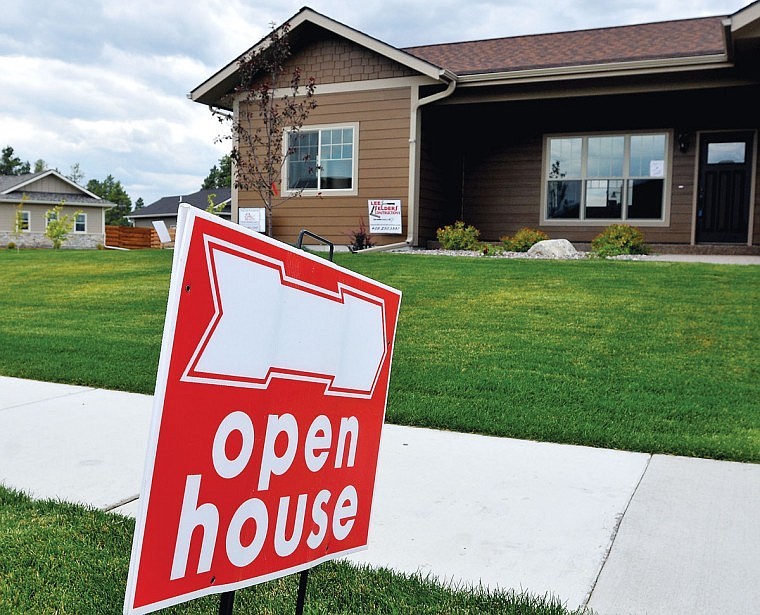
<point>63,559</point>
<point>643,356</point>
<point>92,318</point>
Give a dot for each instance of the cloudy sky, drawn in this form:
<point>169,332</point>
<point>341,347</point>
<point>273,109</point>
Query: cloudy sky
<point>104,83</point>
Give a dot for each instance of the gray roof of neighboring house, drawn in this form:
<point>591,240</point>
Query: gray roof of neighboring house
<point>168,205</point>
<point>13,188</point>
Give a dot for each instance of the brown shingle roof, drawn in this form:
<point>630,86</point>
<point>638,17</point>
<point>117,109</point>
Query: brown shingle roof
<point>653,41</point>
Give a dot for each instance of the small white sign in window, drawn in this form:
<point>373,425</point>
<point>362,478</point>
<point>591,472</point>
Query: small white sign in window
<point>656,168</point>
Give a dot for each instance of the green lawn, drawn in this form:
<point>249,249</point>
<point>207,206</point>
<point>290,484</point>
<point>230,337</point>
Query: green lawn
<point>643,356</point>
<point>657,357</point>
<point>61,559</point>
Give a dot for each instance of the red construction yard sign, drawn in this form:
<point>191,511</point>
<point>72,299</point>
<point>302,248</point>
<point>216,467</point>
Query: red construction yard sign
<point>269,406</point>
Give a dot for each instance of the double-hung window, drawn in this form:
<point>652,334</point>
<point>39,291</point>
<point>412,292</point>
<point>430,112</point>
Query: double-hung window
<point>22,222</point>
<point>80,224</point>
<point>322,159</point>
<point>599,178</point>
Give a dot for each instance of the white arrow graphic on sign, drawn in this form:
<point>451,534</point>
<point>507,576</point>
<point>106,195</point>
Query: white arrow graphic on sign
<point>267,324</point>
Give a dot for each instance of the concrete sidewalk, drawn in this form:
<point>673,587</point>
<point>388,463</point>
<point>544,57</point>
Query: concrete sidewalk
<point>620,532</point>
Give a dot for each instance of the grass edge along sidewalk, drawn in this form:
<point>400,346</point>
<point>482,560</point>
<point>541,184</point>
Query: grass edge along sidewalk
<point>64,559</point>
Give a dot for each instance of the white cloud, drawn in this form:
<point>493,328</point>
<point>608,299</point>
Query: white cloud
<point>104,83</point>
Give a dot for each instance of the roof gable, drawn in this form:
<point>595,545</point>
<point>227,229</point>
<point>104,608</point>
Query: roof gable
<point>47,187</point>
<point>214,90</point>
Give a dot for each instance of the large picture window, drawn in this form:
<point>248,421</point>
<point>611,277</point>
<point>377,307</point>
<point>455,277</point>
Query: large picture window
<point>321,159</point>
<point>606,177</point>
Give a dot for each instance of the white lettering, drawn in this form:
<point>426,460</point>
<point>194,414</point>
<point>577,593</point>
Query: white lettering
<point>270,462</point>
<point>345,512</point>
<point>348,426</point>
<point>318,441</point>
<point>319,516</point>
<point>224,466</point>
<point>283,546</point>
<point>239,554</point>
<point>191,517</point>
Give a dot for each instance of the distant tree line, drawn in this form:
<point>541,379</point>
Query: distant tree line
<point>219,176</point>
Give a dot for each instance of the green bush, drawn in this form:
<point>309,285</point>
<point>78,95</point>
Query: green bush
<point>523,240</point>
<point>619,239</point>
<point>11,245</point>
<point>459,236</point>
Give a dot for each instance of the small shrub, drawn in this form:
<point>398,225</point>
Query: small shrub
<point>11,245</point>
<point>459,236</point>
<point>360,238</point>
<point>523,240</point>
<point>100,246</point>
<point>619,239</point>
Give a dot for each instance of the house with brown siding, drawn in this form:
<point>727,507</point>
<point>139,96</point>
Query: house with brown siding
<point>653,125</point>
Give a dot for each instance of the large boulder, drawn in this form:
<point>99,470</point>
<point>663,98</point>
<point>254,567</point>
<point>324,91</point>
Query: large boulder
<point>553,248</point>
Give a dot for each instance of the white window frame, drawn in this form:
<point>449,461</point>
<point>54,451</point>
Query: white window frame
<point>353,191</point>
<point>26,216</point>
<point>49,218</point>
<point>663,221</point>
<point>76,221</point>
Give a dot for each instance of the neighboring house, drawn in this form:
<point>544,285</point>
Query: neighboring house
<point>654,125</point>
<point>41,192</point>
<point>165,209</point>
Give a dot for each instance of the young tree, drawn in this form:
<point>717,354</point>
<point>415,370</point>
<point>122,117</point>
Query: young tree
<point>12,165</point>
<point>58,225</point>
<point>111,189</point>
<point>139,203</point>
<point>19,224</point>
<point>221,176</point>
<point>76,175</point>
<point>271,100</point>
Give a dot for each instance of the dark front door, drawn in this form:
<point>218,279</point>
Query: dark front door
<point>725,182</point>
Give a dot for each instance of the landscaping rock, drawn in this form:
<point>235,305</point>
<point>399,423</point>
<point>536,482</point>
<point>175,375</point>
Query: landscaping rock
<point>553,248</point>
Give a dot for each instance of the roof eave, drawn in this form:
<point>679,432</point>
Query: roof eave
<point>50,202</point>
<point>597,70</point>
<point>745,23</point>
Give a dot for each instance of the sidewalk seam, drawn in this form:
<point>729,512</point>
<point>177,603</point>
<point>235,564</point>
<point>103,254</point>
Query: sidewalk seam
<point>47,399</point>
<point>120,503</point>
<point>614,534</point>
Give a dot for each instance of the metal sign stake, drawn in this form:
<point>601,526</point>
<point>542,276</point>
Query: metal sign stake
<point>226,601</point>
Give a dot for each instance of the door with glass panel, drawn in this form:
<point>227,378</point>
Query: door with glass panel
<point>725,183</point>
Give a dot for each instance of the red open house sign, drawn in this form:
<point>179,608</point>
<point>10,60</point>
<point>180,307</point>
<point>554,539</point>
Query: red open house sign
<point>269,406</point>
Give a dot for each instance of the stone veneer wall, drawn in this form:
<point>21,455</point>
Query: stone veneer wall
<point>38,240</point>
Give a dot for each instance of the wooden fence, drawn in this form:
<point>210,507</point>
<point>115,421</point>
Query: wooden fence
<point>133,238</point>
